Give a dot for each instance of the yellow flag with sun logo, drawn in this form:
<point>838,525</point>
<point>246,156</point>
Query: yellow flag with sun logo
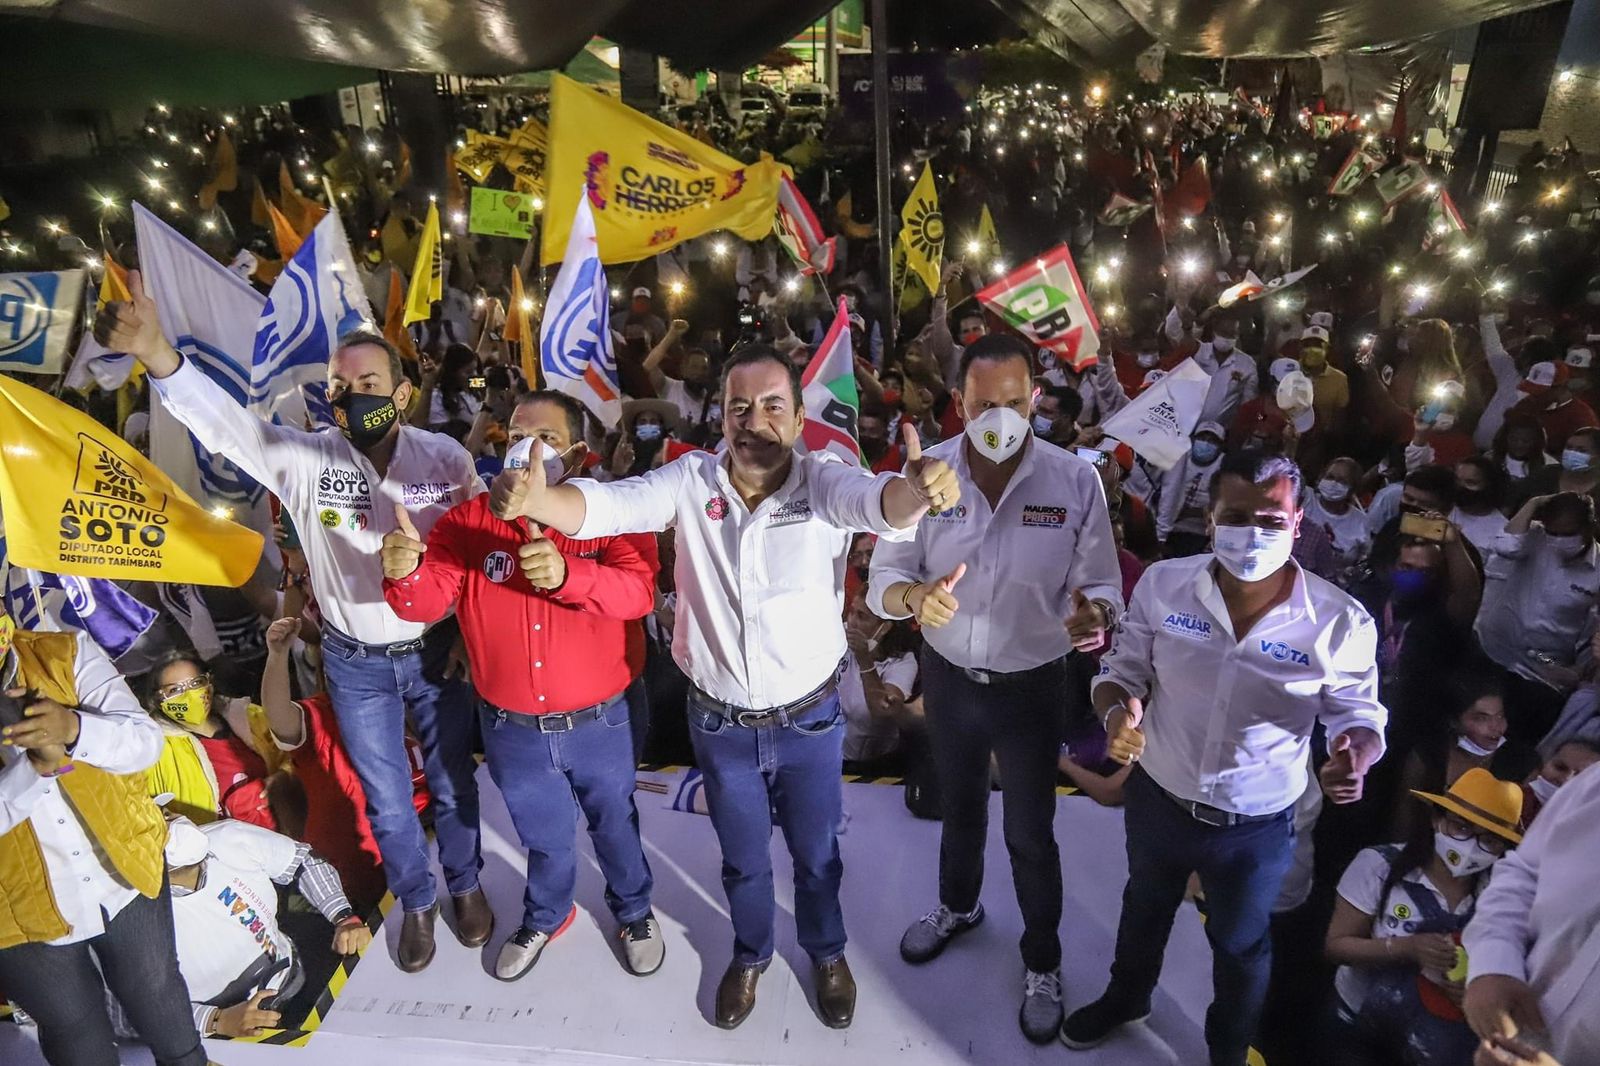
<point>80,500</point>
<point>922,230</point>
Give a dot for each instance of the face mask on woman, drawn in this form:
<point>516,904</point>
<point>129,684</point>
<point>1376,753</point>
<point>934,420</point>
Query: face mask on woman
<point>647,432</point>
<point>1576,461</point>
<point>189,709</point>
<point>1333,490</point>
<point>1463,857</point>
<point>1544,788</point>
<point>1472,747</point>
<point>1204,452</point>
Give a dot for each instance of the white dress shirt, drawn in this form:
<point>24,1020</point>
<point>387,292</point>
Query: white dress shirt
<point>114,734</point>
<point>1228,722</point>
<point>340,506</point>
<point>1539,919</point>
<point>759,619</point>
<point>1235,380</point>
<point>1048,535</point>
<point>1535,602</point>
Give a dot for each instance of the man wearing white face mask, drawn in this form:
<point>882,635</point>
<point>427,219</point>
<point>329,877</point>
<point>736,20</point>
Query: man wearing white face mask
<point>1234,375</point>
<point>1223,667</point>
<point>1185,496</point>
<point>1031,548</point>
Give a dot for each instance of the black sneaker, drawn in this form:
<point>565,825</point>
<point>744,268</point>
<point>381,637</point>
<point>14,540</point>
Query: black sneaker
<point>929,934</point>
<point>1094,1024</point>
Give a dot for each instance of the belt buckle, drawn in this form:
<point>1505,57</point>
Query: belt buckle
<point>1207,815</point>
<point>980,677</point>
<point>545,721</point>
<point>750,719</point>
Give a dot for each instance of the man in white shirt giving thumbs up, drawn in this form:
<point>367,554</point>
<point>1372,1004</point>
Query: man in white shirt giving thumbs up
<point>1030,547</point>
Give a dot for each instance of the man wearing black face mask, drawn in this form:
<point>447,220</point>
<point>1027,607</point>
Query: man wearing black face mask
<point>344,491</point>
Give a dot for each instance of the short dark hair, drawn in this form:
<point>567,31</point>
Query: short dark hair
<point>1259,468</point>
<point>751,354</point>
<point>574,410</point>
<point>363,335</point>
<point>1436,479</point>
<point>170,657</point>
<point>1071,400</point>
<point>993,348</point>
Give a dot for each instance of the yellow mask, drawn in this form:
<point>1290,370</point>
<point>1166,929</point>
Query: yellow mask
<point>7,628</point>
<point>189,709</point>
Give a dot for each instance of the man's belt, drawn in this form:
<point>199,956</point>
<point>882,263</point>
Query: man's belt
<point>392,651</point>
<point>565,722</point>
<point>1206,814</point>
<point>772,716</point>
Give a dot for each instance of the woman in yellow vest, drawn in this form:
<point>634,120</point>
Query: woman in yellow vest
<point>83,888</point>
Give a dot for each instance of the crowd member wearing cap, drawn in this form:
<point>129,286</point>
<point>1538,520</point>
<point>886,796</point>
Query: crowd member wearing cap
<point>232,966</point>
<point>640,312</point>
<point>1261,422</point>
<point>1541,582</point>
<point>1185,495</point>
<point>998,635</point>
<point>1396,922</point>
<point>1235,378</point>
<point>84,903</point>
<point>1559,408</point>
<point>646,426</point>
<point>1533,942</point>
<point>762,536</point>
<point>545,620</point>
<point>1208,644</point>
<point>342,489</point>
<point>1330,386</point>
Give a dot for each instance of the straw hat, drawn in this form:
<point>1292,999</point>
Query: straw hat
<point>1484,800</point>
<point>632,409</point>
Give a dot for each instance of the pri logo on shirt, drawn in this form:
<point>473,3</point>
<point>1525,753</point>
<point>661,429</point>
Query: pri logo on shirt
<point>717,508</point>
<point>497,567</point>
<point>1187,625</point>
<point>1282,653</point>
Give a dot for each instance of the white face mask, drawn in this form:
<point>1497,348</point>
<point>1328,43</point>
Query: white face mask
<point>1544,788</point>
<point>997,433</point>
<point>1466,744</point>
<point>1463,857</point>
<point>186,844</point>
<point>1444,422</point>
<point>1251,553</point>
<point>1332,490</point>
<point>1222,345</point>
<point>520,454</point>
<point>1146,360</point>
<point>1042,424</point>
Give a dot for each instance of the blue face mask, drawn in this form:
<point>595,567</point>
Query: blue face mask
<point>1204,452</point>
<point>1411,585</point>
<point>1573,459</point>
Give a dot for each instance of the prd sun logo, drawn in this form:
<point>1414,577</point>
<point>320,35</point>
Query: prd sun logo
<point>925,229</point>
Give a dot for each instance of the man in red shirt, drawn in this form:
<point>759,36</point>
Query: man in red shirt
<point>545,620</point>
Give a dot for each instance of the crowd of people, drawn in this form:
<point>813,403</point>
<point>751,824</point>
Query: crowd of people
<point>1334,661</point>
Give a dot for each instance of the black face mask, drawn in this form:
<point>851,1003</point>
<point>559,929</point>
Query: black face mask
<point>1471,499</point>
<point>874,448</point>
<point>365,419</point>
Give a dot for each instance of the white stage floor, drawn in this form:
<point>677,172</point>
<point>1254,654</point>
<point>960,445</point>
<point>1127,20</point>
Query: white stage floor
<point>578,1007</point>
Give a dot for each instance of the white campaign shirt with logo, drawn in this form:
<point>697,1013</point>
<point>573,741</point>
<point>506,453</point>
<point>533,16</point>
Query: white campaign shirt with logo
<point>231,919</point>
<point>340,507</point>
<point>1228,722</point>
<point>760,594</point>
<point>1536,601</point>
<point>1049,534</point>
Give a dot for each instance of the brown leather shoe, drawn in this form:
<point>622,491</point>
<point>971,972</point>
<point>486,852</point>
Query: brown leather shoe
<point>416,939</point>
<point>474,918</point>
<point>736,993</point>
<point>836,993</point>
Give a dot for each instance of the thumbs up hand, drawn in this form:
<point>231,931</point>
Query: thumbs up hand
<point>1088,623</point>
<point>934,605</point>
<point>402,547</point>
<point>1124,738</point>
<point>931,481</point>
<point>133,326</point>
<point>541,561</point>
<point>516,493</point>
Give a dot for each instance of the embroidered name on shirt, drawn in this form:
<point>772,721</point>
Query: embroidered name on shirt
<point>497,567</point>
<point>337,487</point>
<point>1034,514</point>
<point>793,511</point>
<point>422,493</point>
<point>1282,653</point>
<point>1186,625</point>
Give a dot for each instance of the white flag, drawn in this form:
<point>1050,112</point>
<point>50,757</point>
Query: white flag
<point>1157,422</point>
<point>575,349</point>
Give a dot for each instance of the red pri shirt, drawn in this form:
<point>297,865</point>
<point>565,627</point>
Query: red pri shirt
<point>533,651</point>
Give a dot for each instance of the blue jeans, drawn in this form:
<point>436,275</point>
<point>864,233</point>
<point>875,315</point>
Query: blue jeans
<point>545,779</point>
<point>1018,718</point>
<point>1241,868</point>
<point>65,990</point>
<point>373,697</point>
<point>794,771</point>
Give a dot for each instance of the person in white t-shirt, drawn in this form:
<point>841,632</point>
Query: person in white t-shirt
<point>1478,493</point>
<point>231,951</point>
<point>878,683</point>
<point>1333,506</point>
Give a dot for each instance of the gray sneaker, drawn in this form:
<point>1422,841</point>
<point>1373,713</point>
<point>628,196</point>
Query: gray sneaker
<point>1041,1006</point>
<point>518,954</point>
<point>642,946</point>
<point>929,934</point>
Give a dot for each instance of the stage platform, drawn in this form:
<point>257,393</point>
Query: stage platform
<point>579,1007</point>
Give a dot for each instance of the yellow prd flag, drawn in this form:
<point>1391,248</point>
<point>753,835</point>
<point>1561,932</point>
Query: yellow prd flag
<point>427,273</point>
<point>922,230</point>
<point>519,330</point>
<point>480,155</point>
<point>987,237</point>
<point>258,207</point>
<point>394,325</point>
<point>650,186</point>
<point>80,500</point>
<point>527,155</point>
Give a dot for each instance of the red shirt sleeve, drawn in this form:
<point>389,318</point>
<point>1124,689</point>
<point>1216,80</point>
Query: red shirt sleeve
<point>433,588</point>
<point>620,583</point>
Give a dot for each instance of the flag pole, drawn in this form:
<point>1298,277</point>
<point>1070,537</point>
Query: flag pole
<point>880,124</point>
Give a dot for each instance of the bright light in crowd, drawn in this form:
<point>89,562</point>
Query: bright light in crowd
<point>1267,173</point>
<point>1277,218</point>
<point>1330,237</point>
<point>791,285</point>
<point>1360,216</point>
<point>1077,157</point>
<point>527,304</point>
<point>1000,151</point>
<point>1115,262</point>
<point>108,201</point>
<point>616,293</point>
<point>149,129</point>
<point>1497,286</point>
<point>905,168</point>
<point>1440,228</point>
<point>1282,303</point>
<point>1275,241</point>
<point>1528,237</point>
<point>173,205</point>
<point>172,138</point>
<point>1149,131</point>
<point>676,288</point>
<point>228,120</point>
<point>1097,91</point>
<point>1566,75</point>
<point>1421,291</point>
<point>1556,193</point>
<point>1431,188</point>
<point>209,225</point>
<point>152,181</point>
<point>159,164</point>
<point>220,511</point>
<point>1110,311</point>
<point>1492,207</point>
<point>974,246</point>
<point>719,248</point>
<point>1188,266</point>
<point>194,150</point>
<point>1102,273</point>
<point>1297,159</point>
<point>998,266</point>
<point>458,217</point>
<point>164,109</point>
<point>993,127</point>
<point>538,203</point>
<point>372,148</point>
<point>1395,269</point>
<point>54,226</point>
<point>1186,222</point>
<point>1464,253</point>
<point>92,262</point>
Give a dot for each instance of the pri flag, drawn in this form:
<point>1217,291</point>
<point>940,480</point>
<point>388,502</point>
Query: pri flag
<point>427,273</point>
<point>80,500</point>
<point>37,315</point>
<point>575,337</point>
<point>922,230</point>
<point>1157,423</point>
<point>1401,183</point>
<point>828,390</point>
<point>1045,301</point>
<point>800,232</point>
<point>1121,210</point>
<point>1362,163</point>
<point>1444,221</point>
<point>1248,289</point>
<point>650,187</point>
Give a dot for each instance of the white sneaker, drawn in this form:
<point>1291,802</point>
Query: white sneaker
<point>518,954</point>
<point>643,946</point>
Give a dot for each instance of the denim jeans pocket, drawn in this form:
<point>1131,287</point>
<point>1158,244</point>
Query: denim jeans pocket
<point>819,726</point>
<point>338,646</point>
<point>615,715</point>
<point>708,722</point>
